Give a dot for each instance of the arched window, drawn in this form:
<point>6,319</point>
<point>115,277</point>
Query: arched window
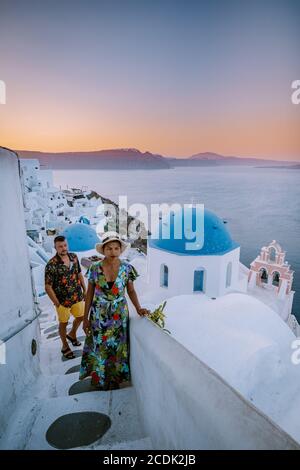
<point>199,280</point>
<point>164,276</point>
<point>263,275</point>
<point>228,274</point>
<point>272,254</point>
<point>275,278</point>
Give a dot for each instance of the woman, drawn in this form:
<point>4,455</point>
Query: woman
<point>106,349</point>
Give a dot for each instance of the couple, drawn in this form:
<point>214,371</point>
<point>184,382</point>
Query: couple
<point>104,312</point>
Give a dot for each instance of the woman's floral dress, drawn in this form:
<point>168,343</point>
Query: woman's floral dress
<point>106,349</point>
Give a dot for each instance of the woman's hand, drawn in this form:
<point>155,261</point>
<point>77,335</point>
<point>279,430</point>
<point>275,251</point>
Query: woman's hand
<point>86,325</point>
<point>142,311</point>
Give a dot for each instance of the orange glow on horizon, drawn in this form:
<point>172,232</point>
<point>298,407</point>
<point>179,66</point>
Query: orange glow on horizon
<point>35,121</point>
<point>272,139</point>
<point>172,81</point>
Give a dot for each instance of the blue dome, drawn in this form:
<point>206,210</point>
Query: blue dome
<point>213,238</point>
<point>84,220</point>
<point>80,237</point>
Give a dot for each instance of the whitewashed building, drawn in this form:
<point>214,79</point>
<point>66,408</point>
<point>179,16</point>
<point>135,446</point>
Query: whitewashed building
<point>214,269</point>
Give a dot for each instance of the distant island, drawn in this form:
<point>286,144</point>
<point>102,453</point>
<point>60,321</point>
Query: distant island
<point>134,159</point>
<point>100,159</point>
<point>215,159</point>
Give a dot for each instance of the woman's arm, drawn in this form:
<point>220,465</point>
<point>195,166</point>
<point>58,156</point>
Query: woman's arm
<point>88,302</point>
<point>134,299</point>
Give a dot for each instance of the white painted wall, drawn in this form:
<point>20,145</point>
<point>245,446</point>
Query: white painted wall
<point>30,169</point>
<point>46,178</point>
<point>179,283</point>
<point>192,407</point>
<point>17,308</point>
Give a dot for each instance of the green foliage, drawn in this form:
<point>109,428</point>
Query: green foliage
<point>158,316</point>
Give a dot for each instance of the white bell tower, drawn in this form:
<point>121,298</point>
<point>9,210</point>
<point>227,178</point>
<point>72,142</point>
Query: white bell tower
<point>271,273</point>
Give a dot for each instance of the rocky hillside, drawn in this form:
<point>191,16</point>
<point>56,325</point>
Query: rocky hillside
<point>102,159</point>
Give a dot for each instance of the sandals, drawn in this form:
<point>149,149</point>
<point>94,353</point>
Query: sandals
<point>74,342</point>
<point>67,353</point>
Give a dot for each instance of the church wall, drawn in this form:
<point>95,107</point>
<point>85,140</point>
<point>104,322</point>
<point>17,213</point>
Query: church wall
<point>182,267</point>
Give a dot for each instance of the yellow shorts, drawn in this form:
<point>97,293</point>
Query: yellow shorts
<point>77,310</point>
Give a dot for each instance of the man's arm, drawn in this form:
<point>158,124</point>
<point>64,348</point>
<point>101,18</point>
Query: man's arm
<point>49,277</point>
<point>52,295</point>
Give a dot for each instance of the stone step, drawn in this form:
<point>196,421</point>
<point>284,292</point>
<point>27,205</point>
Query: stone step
<point>83,386</point>
<point>35,418</point>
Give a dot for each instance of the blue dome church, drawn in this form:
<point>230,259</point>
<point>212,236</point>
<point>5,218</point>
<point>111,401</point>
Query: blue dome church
<point>80,237</point>
<point>191,251</point>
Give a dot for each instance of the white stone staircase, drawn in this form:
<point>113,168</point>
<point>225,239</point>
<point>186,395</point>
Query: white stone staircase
<point>48,399</point>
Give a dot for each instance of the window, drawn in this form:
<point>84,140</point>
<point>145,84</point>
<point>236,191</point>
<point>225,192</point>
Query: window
<point>272,254</point>
<point>164,276</point>
<point>199,280</point>
<point>275,278</point>
<point>263,276</point>
<point>228,274</point>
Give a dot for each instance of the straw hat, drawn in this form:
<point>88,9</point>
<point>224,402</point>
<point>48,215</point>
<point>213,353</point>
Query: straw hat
<point>110,237</point>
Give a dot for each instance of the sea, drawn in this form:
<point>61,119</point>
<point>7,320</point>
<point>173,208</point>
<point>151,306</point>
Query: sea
<point>259,204</point>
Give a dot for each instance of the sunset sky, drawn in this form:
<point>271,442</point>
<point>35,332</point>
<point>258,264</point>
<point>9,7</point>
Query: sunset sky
<point>174,77</point>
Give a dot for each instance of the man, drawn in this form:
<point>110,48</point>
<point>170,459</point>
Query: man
<point>64,284</point>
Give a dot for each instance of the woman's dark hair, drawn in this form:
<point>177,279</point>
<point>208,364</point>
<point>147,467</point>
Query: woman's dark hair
<point>59,238</point>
